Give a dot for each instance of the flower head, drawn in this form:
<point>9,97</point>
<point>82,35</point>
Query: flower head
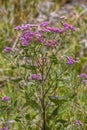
<point>35,77</point>
<point>56,30</point>
<point>84,77</point>
<point>71,60</point>
<point>26,38</point>
<point>25,27</point>
<point>53,29</point>
<point>17,28</point>
<point>7,49</point>
<point>44,24</point>
<point>78,122</point>
<point>85,80</point>
<point>68,26</point>
<point>5,98</point>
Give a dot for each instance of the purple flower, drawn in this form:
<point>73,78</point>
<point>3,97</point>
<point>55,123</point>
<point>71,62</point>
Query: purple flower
<point>85,80</point>
<point>24,41</point>
<point>35,77</point>
<point>71,60</point>
<point>4,128</point>
<point>62,30</point>
<point>78,122</point>
<point>53,29</point>
<point>83,75</point>
<point>56,30</point>
<point>44,24</point>
<point>40,39</point>
<point>17,28</point>
<point>7,49</point>
<point>25,26</point>
<point>68,26</point>
<point>5,98</point>
<point>26,38</point>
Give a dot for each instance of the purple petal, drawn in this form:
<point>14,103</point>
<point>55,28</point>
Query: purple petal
<point>17,28</point>
<point>7,49</point>
<point>5,98</point>
<point>44,24</point>
<point>68,26</point>
<point>35,77</point>
<point>78,122</point>
<point>4,128</point>
<point>83,75</point>
<point>71,60</point>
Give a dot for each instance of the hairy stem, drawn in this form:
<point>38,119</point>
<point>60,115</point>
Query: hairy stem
<point>43,108</point>
<point>43,99</point>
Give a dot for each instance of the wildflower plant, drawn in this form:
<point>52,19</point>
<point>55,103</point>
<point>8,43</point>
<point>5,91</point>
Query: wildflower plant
<point>40,71</point>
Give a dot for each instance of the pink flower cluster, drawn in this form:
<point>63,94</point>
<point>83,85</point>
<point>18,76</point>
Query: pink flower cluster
<point>56,30</point>
<point>36,32</point>
<point>29,36</point>
<point>68,26</point>
<point>25,27</point>
<point>26,38</point>
<point>32,31</point>
<point>28,26</point>
<point>51,43</point>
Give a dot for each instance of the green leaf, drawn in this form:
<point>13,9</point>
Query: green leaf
<point>15,103</point>
<point>57,99</point>
<point>3,107</point>
<point>54,59</point>
<point>54,112</point>
<point>27,116</point>
<point>61,121</point>
<point>31,102</point>
<point>72,95</point>
<point>18,119</point>
<point>16,79</point>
